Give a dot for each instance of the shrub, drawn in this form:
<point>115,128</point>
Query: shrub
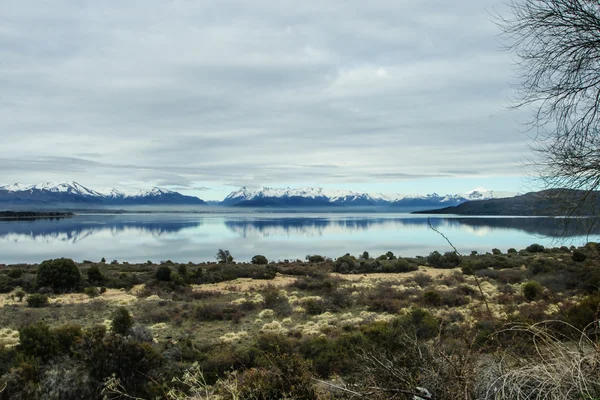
<point>432,298</point>
<point>37,300</point>
<point>584,313</point>
<point>314,307</point>
<point>59,274</point>
<point>91,291</point>
<point>449,260</point>
<point>15,273</point>
<point>163,273</point>
<point>19,294</point>
<point>496,252</point>
<point>535,248</point>
<point>315,258</point>
<point>38,341</point>
<point>122,321</point>
<point>345,264</point>
<point>284,376</point>
<point>532,290</point>
<point>94,275</point>
<point>512,251</point>
<point>578,256</point>
<point>67,336</point>
<point>259,260</point>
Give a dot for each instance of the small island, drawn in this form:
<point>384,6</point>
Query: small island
<point>30,215</point>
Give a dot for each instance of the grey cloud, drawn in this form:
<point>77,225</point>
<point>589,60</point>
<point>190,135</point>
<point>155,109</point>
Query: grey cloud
<point>190,94</point>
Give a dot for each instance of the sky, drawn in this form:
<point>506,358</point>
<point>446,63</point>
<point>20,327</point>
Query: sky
<point>403,96</point>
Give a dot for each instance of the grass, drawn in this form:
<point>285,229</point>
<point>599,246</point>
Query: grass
<point>219,322</point>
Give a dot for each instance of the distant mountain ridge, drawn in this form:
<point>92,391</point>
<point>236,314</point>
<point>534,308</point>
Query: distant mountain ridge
<point>315,197</point>
<point>552,202</point>
<point>75,193</point>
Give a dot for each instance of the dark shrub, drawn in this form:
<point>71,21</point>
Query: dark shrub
<point>283,376</point>
<point>314,307</point>
<point>94,275</point>
<point>345,264</point>
<point>122,321</point>
<point>259,260</point>
<point>37,300</point>
<point>584,313</point>
<point>543,266</point>
<point>449,260</point>
<point>127,359</point>
<point>532,290</point>
<point>432,298</point>
<point>38,341</point>
<point>496,252</point>
<point>578,256</point>
<point>59,274</point>
<point>163,273</point>
<point>15,273</point>
<point>91,291</point>
<point>535,248</point>
<point>67,336</point>
<point>315,258</point>
<point>512,251</point>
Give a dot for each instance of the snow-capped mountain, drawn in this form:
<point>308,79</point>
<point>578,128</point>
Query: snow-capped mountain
<point>73,193</point>
<point>290,197</point>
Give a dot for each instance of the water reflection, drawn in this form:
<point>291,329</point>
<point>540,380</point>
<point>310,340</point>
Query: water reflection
<point>185,237</point>
<point>79,227</point>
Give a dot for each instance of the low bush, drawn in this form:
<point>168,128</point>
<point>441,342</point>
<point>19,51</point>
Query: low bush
<point>259,260</point>
<point>37,300</point>
<point>532,290</point>
<point>535,248</point>
<point>122,321</point>
<point>449,260</point>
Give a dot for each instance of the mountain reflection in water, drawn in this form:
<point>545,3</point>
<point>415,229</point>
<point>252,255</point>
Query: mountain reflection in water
<point>183,237</point>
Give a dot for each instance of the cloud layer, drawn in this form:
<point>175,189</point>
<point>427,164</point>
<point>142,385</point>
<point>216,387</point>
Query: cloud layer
<point>196,93</point>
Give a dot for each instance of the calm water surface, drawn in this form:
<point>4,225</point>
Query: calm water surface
<point>196,237</point>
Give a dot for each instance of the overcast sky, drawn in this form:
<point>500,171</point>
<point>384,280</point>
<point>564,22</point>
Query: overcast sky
<point>200,96</point>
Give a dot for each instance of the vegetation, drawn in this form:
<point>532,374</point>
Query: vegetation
<point>326,329</point>
<point>60,274</point>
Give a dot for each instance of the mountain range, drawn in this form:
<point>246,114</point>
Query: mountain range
<point>48,194</point>
<point>290,197</point>
<point>73,193</point>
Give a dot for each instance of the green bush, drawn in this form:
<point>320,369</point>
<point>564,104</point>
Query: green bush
<point>284,376</point>
<point>449,260</point>
<point>432,298</point>
<point>584,313</point>
<point>37,300</point>
<point>91,291</point>
<point>259,260</point>
<point>15,273</point>
<point>94,275</point>
<point>535,248</point>
<point>496,252</point>
<point>512,251</point>
<point>163,273</point>
<point>578,256</point>
<point>67,336</point>
<point>315,258</point>
<point>122,321</point>
<point>38,341</point>
<point>59,274</point>
<point>532,290</point>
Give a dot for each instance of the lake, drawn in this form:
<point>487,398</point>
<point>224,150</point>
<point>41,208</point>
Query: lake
<point>183,237</point>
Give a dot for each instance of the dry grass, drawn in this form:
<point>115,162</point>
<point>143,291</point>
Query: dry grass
<point>559,369</point>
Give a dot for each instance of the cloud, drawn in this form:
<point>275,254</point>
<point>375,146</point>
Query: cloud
<point>194,94</point>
